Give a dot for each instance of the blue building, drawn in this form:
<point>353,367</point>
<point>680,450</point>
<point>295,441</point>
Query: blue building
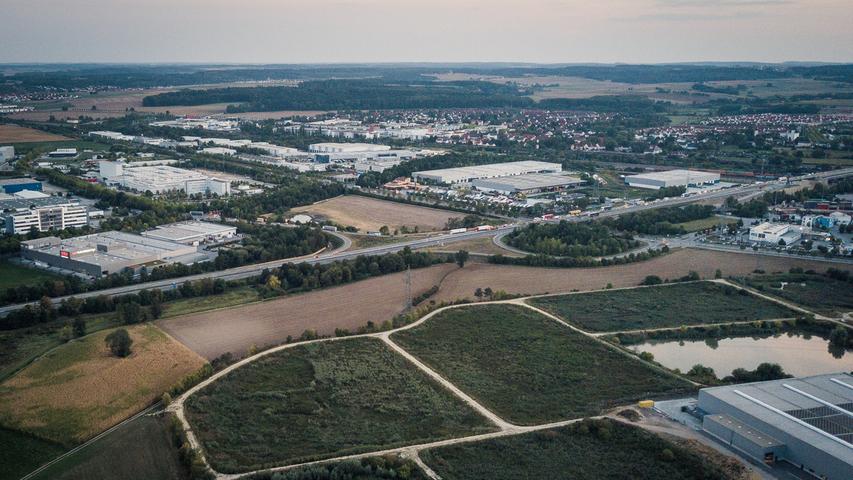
<point>14,185</point>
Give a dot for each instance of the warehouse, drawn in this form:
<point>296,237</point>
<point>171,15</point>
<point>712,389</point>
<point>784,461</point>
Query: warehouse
<point>14,185</point>
<point>108,252</point>
<point>347,147</point>
<point>494,170</point>
<point>161,179</point>
<point>672,178</point>
<point>807,422</point>
<point>192,232</point>
<point>527,184</point>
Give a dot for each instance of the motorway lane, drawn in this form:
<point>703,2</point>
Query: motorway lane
<point>439,240</point>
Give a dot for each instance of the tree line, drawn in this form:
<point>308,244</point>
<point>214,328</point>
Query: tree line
<point>660,221</point>
<point>567,239</point>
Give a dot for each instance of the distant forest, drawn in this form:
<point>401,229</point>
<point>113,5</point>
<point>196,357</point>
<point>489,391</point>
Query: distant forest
<point>90,76</point>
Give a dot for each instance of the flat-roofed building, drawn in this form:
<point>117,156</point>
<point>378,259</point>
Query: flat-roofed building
<point>192,232</point>
<point>161,179</point>
<point>347,147</point>
<point>493,170</point>
<point>672,178</point>
<point>20,215</point>
<point>109,252</point>
<point>14,185</point>
<point>527,184</point>
<point>772,233</point>
<point>807,422</point>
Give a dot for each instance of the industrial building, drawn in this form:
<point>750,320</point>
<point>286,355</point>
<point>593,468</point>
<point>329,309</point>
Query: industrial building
<point>161,179</point>
<point>347,147</point>
<point>527,184</point>
<point>108,252</point>
<point>14,185</point>
<point>672,178</point>
<point>63,153</point>
<point>7,154</point>
<point>772,233</point>
<point>192,232</point>
<point>807,422</point>
<point>376,165</point>
<point>20,214</point>
<point>494,170</point>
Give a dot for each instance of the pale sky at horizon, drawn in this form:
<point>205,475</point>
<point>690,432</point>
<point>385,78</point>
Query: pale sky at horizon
<point>325,31</point>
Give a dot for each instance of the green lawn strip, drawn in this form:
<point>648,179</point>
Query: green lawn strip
<point>21,453</point>
<point>12,276</point>
<point>662,306</point>
<point>529,369</point>
<point>139,450</point>
<point>588,450</point>
<point>323,400</point>
<point>704,223</point>
<point>816,292</point>
<point>230,298</point>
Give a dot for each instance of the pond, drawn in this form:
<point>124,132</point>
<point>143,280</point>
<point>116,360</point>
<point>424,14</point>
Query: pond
<point>798,355</point>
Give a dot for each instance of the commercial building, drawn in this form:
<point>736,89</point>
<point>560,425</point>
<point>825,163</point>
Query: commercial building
<point>14,185</point>
<point>494,170</point>
<point>20,214</point>
<point>108,252</point>
<point>527,184</point>
<point>192,232</point>
<point>63,153</point>
<point>347,147</point>
<point>672,178</point>
<point>161,179</point>
<point>772,233</point>
<point>376,165</point>
<point>7,153</point>
<point>807,422</point>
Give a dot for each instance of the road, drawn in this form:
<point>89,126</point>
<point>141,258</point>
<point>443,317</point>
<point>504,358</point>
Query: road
<point>247,271</point>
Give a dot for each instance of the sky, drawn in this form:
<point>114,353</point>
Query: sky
<point>327,31</point>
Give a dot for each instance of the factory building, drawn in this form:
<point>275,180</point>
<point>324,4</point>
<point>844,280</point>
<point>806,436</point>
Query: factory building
<point>161,179</point>
<point>7,154</point>
<point>772,233</point>
<point>494,170</point>
<point>347,147</point>
<point>672,178</point>
<point>527,184</point>
<point>63,153</point>
<point>108,252</point>
<point>376,165</point>
<point>20,213</point>
<point>192,232</point>
<point>807,422</point>
<point>14,185</point>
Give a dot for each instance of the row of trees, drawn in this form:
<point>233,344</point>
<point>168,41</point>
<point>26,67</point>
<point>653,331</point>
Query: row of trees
<point>660,221</point>
<point>580,262</point>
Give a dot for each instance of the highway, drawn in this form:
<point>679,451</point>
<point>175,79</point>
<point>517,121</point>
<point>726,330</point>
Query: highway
<point>438,240</point>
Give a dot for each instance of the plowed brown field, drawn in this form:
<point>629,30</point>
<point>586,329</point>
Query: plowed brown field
<point>370,214</point>
<point>10,133</point>
<point>379,299</point>
<point>350,306</point>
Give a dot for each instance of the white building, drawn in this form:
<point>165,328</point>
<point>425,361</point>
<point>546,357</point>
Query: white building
<point>20,215</point>
<point>219,151</point>
<point>346,147</point>
<point>7,154</point>
<point>672,178</point>
<point>192,232</point>
<point>494,170</point>
<point>772,233</point>
<point>161,179</point>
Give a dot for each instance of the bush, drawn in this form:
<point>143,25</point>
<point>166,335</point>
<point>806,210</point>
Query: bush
<point>119,343</point>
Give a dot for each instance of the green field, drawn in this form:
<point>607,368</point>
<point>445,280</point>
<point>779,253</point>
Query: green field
<point>138,450</point>
<point>323,400</point>
<point>704,223</point>
<point>372,468</point>
<point>12,275</point>
<point>662,306</point>
<point>20,453</point>
<point>529,369</point>
<point>808,290</point>
<point>588,450</point>
<point>230,298</point>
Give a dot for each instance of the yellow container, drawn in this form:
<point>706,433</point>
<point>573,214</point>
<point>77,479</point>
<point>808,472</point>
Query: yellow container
<point>646,403</point>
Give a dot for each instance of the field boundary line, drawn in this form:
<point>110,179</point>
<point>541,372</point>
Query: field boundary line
<point>688,327</point>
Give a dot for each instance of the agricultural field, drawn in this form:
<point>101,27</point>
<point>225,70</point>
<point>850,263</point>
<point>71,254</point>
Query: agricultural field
<point>12,275</point>
<point>529,369</point>
<point>10,133</point>
<point>20,453</point>
<point>371,468</point>
<point>141,449</point>
<point>586,450</point>
<point>323,400</point>
<point>705,223</point>
<point>661,306</point>
<point>808,290</point>
<point>347,306</point>
<point>79,389</point>
<point>371,214</point>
